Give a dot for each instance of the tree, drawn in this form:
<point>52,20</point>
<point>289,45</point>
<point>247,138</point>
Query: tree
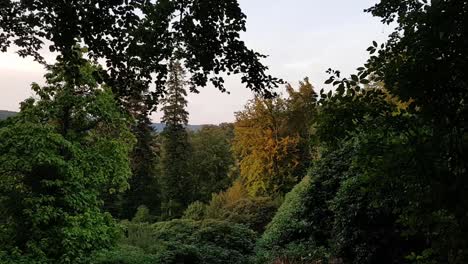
<point>144,186</point>
<point>177,185</point>
<point>439,91</point>
<point>267,152</point>
<point>136,39</point>
<point>424,62</point>
<point>301,114</point>
<point>340,211</point>
<point>301,106</point>
<point>58,156</point>
<point>272,140</point>
<point>211,160</point>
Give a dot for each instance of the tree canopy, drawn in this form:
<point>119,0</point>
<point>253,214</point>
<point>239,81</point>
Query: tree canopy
<point>58,156</point>
<point>136,39</point>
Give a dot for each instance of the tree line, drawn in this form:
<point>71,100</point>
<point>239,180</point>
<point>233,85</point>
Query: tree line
<point>373,171</point>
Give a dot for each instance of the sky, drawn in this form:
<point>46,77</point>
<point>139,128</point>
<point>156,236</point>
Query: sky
<point>303,38</point>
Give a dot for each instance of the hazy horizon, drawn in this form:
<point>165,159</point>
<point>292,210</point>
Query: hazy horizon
<point>303,38</point>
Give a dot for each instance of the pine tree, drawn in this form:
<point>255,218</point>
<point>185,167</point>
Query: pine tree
<point>144,189</point>
<point>176,183</point>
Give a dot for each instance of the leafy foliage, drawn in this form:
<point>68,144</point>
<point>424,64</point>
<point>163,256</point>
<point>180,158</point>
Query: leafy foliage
<point>268,153</point>
<point>211,160</point>
<point>142,215</point>
<point>386,151</point>
<point>136,39</point>
<point>57,157</point>
<point>195,211</point>
<point>272,140</point>
<point>184,241</point>
<point>431,208</point>
<point>219,201</point>
<point>254,213</point>
<point>287,235</point>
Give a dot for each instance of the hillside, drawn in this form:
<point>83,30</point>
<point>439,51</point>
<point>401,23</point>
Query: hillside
<point>158,127</point>
<point>5,114</point>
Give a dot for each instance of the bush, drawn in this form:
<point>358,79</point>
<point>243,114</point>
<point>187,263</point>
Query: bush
<point>142,215</point>
<point>183,241</point>
<point>236,192</point>
<point>255,213</point>
<point>195,211</point>
<point>284,236</point>
<point>124,255</point>
<point>16,258</point>
<point>302,228</point>
<point>234,205</point>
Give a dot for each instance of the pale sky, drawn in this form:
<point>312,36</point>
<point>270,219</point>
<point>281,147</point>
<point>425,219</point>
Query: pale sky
<point>303,38</point>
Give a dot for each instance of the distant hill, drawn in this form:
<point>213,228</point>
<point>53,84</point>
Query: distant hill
<point>158,127</point>
<point>5,114</point>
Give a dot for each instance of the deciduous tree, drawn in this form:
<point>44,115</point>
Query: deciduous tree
<point>268,153</point>
<point>57,158</point>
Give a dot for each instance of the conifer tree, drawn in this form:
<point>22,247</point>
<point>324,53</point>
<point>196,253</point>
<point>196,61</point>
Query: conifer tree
<point>176,182</point>
<point>144,188</point>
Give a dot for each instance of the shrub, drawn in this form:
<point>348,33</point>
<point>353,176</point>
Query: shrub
<point>124,255</point>
<point>236,192</point>
<point>183,241</point>
<point>235,205</point>
<point>281,237</point>
<point>255,213</point>
<point>139,235</point>
<point>195,211</point>
<point>143,215</point>
<point>16,258</point>
<point>302,228</point>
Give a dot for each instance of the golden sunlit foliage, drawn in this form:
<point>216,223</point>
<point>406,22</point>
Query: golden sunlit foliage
<point>270,140</point>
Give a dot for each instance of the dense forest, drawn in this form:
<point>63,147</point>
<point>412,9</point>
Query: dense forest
<point>373,171</point>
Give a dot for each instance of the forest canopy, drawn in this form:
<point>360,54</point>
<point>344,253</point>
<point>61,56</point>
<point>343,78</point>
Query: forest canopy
<point>371,171</point>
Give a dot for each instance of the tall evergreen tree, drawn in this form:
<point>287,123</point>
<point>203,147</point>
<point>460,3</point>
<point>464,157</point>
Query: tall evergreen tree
<point>144,188</point>
<point>176,184</point>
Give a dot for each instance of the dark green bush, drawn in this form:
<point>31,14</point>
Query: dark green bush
<point>125,255</point>
<point>183,241</point>
<point>255,213</point>
<point>143,215</point>
<point>16,258</point>
<point>301,229</point>
<point>280,239</point>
